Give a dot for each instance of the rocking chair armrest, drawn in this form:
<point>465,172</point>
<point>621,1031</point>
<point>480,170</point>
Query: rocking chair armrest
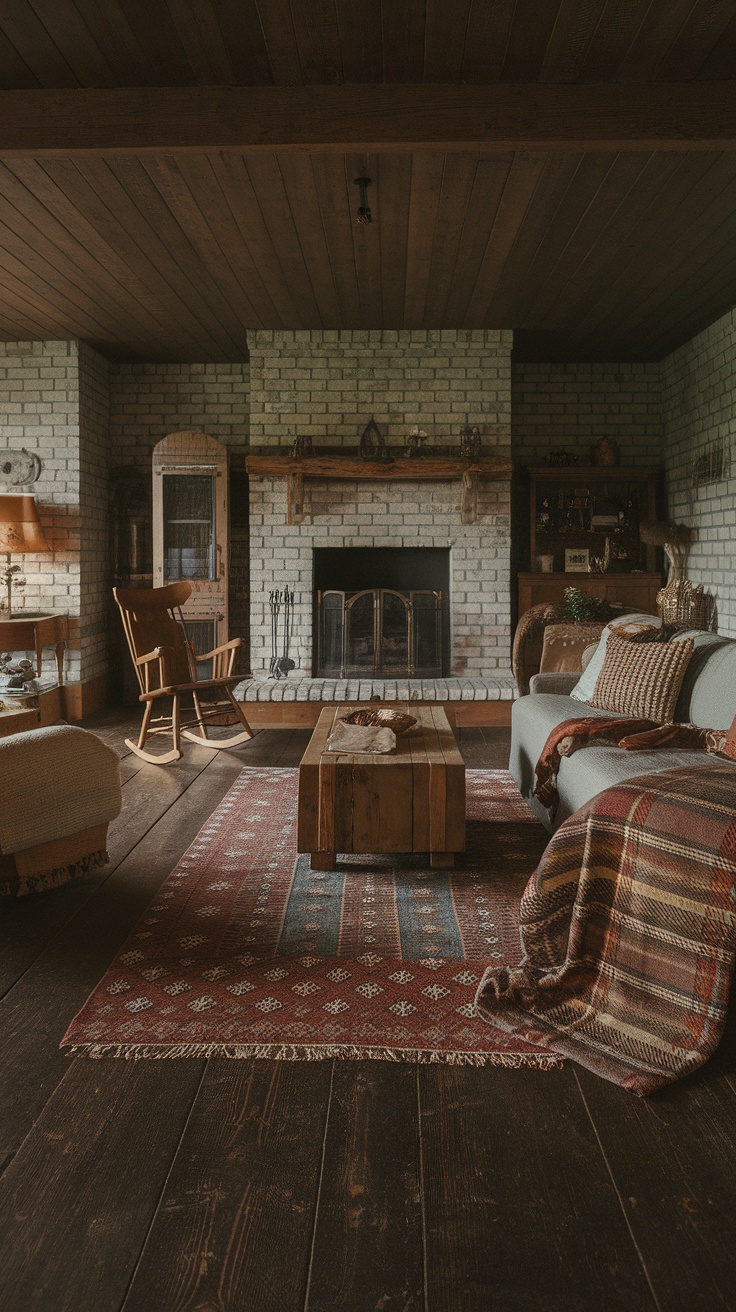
<point>149,656</point>
<point>226,646</point>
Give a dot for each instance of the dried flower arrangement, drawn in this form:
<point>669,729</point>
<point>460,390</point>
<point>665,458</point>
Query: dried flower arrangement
<point>675,539</point>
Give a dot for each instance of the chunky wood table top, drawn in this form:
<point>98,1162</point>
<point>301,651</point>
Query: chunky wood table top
<point>411,800</point>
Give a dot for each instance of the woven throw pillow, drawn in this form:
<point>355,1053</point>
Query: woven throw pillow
<point>585,686</point>
<point>642,678</point>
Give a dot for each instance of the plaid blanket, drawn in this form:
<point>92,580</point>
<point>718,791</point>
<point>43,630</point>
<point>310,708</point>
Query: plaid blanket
<point>628,929</point>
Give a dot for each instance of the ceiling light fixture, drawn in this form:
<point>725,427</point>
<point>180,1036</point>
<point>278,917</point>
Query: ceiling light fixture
<point>364,210</point>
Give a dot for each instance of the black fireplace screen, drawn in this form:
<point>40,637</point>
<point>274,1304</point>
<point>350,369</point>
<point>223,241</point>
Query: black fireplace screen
<point>379,631</point>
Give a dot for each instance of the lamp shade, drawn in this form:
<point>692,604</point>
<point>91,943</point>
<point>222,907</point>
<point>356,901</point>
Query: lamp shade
<point>20,529</point>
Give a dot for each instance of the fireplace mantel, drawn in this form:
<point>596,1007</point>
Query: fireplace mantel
<point>434,469</point>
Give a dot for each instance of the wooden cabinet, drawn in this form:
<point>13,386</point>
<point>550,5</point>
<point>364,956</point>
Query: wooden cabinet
<point>635,591</point>
<point>190,531</point>
<point>576,511</point>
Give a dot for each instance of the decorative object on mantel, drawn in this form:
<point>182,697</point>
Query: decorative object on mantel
<point>414,442</point>
<point>470,441</point>
<point>20,531</point>
<point>20,468</point>
<point>303,448</point>
<point>561,459</point>
<point>364,210</point>
<point>283,664</point>
<point>606,452</point>
<point>372,445</point>
<point>429,469</point>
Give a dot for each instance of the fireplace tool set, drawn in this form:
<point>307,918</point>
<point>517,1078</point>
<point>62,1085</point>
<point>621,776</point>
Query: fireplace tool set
<point>283,664</point>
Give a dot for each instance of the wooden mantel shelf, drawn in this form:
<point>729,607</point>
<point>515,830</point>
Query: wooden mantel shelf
<point>421,469</point>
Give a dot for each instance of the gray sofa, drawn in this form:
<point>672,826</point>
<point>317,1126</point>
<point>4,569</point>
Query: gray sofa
<point>707,699</point>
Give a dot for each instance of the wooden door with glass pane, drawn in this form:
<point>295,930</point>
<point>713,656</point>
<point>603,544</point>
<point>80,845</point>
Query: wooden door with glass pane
<point>190,531</point>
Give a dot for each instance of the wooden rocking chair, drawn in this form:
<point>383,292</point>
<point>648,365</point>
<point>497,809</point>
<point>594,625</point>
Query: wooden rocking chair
<point>165,667</point>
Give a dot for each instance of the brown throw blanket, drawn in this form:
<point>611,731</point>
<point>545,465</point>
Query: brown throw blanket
<point>629,931</point>
<point>633,735</point>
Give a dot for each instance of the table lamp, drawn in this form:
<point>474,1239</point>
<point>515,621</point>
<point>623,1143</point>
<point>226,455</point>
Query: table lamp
<point>20,531</point>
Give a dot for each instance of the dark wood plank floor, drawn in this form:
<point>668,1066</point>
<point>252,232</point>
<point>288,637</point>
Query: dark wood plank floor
<point>256,1186</point>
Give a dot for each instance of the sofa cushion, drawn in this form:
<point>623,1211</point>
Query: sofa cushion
<point>563,646</point>
<point>642,678</point>
<point>532,720</point>
<point>593,769</point>
<point>708,693</point>
<point>585,687</point>
<point>589,771</point>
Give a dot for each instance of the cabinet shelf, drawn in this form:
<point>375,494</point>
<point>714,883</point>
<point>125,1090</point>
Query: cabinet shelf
<point>190,535</point>
<point>626,491</point>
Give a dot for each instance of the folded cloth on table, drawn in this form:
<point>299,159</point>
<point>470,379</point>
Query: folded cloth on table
<point>360,738</point>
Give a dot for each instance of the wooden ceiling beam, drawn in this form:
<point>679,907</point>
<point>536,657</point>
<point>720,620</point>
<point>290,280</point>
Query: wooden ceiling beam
<point>362,117</point>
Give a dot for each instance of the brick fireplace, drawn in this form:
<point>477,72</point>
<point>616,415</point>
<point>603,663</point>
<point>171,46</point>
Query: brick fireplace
<point>328,384</point>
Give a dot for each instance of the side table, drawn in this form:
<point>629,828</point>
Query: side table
<point>31,632</point>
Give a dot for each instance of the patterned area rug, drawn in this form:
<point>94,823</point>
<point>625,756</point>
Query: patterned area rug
<point>248,952</point>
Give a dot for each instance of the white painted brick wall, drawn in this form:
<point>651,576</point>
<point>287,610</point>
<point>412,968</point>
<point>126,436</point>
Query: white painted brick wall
<point>94,424</point>
<point>569,406</point>
<point>699,402</point>
<point>39,409</point>
<point>329,384</point>
<point>148,401</point>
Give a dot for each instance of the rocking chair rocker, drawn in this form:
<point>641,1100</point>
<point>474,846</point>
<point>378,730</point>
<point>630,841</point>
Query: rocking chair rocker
<point>165,667</point>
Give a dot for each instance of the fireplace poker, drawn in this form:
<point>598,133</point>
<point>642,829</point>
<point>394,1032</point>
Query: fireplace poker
<point>286,664</point>
<point>274,601</point>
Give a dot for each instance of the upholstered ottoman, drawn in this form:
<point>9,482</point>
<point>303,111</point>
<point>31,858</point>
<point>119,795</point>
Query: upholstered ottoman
<point>60,789</point>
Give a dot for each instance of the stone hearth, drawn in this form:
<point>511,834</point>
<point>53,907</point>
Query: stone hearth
<point>500,688</point>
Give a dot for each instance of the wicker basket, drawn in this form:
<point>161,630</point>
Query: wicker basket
<point>680,603</point>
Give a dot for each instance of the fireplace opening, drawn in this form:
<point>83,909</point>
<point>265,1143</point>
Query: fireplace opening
<point>381,611</point>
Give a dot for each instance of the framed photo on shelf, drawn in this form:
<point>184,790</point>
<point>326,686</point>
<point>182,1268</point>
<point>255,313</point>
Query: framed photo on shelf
<point>577,560</point>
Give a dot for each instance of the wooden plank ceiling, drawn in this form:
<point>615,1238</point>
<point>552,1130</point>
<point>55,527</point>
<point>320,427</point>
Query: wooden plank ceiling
<point>606,255</point>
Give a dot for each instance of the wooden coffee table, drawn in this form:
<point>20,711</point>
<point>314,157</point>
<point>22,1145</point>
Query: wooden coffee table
<point>412,800</point>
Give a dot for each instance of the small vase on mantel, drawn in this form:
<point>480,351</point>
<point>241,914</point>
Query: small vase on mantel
<point>606,452</point>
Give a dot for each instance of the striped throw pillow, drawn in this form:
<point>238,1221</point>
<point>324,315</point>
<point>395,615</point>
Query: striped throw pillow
<point>642,678</point>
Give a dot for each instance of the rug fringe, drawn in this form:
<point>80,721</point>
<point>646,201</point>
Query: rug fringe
<point>40,881</point>
<point>314,1052</point>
